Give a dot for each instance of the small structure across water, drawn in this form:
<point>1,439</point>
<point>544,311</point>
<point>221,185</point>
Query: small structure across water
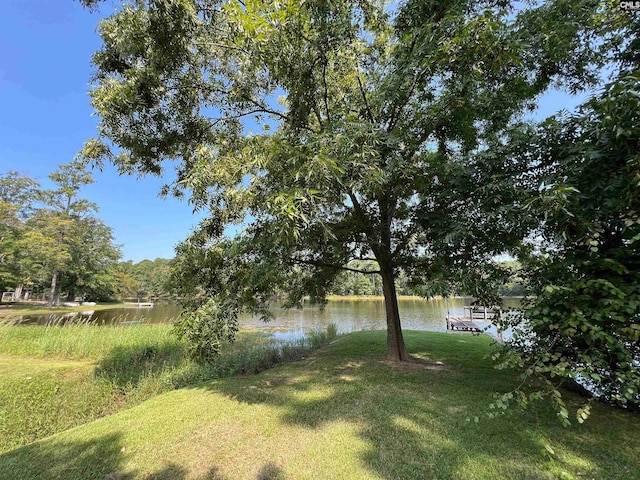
<point>468,322</point>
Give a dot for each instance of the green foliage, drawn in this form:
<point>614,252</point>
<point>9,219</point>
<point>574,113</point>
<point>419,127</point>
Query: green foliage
<point>356,282</point>
<point>583,323</point>
<point>147,278</point>
<point>126,285</point>
<point>90,273</point>
<point>17,194</point>
<point>367,154</point>
<point>51,237</point>
<point>514,286</point>
<point>359,282</point>
<point>205,328</point>
<point>83,243</point>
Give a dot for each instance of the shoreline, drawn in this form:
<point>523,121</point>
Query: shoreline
<point>39,308</point>
<point>32,308</point>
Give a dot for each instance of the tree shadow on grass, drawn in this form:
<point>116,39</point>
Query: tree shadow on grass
<point>419,422</point>
<point>270,471</point>
<point>102,458</point>
<point>172,471</point>
<point>412,420</point>
<point>55,459</point>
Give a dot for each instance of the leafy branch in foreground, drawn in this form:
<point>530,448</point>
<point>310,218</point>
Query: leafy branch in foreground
<point>583,325</point>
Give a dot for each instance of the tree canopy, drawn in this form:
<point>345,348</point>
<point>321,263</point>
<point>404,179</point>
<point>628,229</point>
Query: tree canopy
<point>146,278</point>
<point>582,323</point>
<point>332,132</point>
<point>17,194</point>
<point>53,237</point>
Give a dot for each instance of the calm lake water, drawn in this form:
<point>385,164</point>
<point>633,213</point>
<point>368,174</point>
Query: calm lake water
<point>348,315</point>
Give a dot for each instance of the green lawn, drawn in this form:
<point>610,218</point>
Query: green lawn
<point>342,413</point>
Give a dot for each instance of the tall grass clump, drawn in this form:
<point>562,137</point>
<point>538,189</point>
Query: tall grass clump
<point>318,338</point>
<point>81,341</point>
<point>251,354</point>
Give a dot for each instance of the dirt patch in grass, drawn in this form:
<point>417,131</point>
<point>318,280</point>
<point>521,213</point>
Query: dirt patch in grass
<point>416,364</point>
<point>277,381</point>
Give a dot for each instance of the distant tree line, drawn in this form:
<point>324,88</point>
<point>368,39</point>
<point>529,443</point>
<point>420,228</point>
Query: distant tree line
<point>51,241</point>
<point>511,283</point>
<point>54,246</point>
<point>358,283</point>
<point>145,279</point>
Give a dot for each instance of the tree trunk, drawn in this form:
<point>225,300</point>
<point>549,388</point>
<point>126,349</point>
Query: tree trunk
<point>17,295</point>
<point>395,342</point>
<point>53,295</point>
<point>71,296</point>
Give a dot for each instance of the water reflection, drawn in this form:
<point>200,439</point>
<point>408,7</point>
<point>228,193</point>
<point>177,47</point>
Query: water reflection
<point>362,314</point>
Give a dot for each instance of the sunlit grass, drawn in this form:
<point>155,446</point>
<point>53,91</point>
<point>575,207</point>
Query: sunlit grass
<point>343,412</point>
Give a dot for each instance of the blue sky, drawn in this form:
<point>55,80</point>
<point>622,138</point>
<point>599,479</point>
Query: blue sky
<point>45,118</point>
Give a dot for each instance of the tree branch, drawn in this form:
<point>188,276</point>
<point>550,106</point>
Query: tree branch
<point>240,115</point>
<point>334,266</point>
<point>316,112</point>
<point>398,108</point>
<point>268,111</point>
<point>364,98</point>
<point>366,223</point>
<point>221,45</point>
<point>265,109</point>
<point>326,91</point>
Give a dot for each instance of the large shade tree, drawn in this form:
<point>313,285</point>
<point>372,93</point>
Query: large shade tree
<point>59,223</point>
<point>53,237</point>
<point>332,131</point>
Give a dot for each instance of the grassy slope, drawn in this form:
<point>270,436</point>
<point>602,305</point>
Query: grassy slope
<point>56,378</point>
<point>49,382</point>
<point>342,413</point>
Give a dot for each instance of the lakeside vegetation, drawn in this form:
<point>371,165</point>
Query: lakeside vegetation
<point>399,158</point>
<point>56,378</point>
<point>336,298</point>
<point>344,413</point>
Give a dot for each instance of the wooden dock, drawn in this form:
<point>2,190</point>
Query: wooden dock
<point>471,315</point>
